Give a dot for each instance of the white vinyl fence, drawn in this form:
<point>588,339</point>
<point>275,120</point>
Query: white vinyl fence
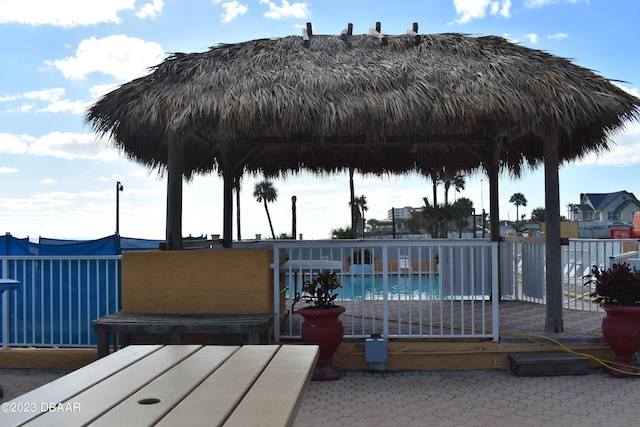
<point>395,288</point>
<point>523,267</point>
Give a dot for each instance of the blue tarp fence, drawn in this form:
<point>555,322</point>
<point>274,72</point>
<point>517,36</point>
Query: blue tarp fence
<point>110,245</point>
<point>58,299</point>
<point>64,285</point>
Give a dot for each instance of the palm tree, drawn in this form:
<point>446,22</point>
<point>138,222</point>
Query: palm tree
<point>431,215</point>
<point>518,199</point>
<point>570,209</point>
<point>463,208</point>
<point>360,204</point>
<point>352,203</point>
<point>456,179</point>
<point>434,174</point>
<point>265,192</point>
<point>538,215</point>
<point>342,233</point>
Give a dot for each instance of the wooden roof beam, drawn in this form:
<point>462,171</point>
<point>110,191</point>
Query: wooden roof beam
<point>306,35</point>
<point>413,32</point>
<point>347,32</point>
<point>376,33</point>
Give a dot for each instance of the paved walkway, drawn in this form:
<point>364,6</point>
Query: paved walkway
<point>428,398</point>
<point>470,398</point>
<point>16,382</point>
<point>458,398</point>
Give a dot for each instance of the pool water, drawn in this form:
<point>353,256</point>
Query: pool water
<point>401,287</point>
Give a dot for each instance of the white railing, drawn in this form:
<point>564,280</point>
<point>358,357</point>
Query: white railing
<point>395,288</point>
<point>523,267</point>
<point>59,297</point>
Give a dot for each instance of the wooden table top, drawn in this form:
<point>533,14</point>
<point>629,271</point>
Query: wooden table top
<point>185,385</point>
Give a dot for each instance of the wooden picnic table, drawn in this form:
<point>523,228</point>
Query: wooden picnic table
<point>185,385</point>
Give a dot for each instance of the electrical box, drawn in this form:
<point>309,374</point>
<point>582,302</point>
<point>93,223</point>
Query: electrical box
<point>375,353</point>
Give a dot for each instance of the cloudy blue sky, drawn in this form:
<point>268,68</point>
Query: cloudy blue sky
<point>58,57</point>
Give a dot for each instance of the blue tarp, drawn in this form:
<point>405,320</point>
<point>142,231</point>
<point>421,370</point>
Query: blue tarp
<point>109,245</point>
<point>131,244</point>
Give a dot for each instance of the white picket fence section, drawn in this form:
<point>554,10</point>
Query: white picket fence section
<point>395,288</point>
<point>523,267</point>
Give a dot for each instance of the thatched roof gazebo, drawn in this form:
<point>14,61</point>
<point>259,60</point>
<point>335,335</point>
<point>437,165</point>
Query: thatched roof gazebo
<point>373,102</point>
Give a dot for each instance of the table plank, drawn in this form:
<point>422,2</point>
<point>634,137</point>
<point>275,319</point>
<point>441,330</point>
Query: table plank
<point>66,387</point>
<point>168,389</point>
<point>213,400</point>
<point>279,390</point>
<point>106,394</point>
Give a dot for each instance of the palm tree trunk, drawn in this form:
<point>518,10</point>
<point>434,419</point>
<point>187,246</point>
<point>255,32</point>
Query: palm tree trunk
<point>436,225</point>
<point>354,208</point>
<point>269,218</point>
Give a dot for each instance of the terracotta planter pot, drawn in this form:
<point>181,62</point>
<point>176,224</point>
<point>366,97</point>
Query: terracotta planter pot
<point>322,326</point>
<point>621,330</point>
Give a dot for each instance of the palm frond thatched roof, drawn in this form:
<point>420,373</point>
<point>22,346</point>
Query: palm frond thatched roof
<point>274,105</point>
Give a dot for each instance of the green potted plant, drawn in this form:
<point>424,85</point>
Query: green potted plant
<point>617,289</point>
<point>322,325</point>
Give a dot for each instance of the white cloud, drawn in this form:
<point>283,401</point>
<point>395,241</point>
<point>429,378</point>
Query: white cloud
<point>120,56</point>
<point>14,144</point>
<point>98,90</point>
<point>69,13</point>
<point>52,97</point>
<point>540,3</point>
<point>625,151</point>
<point>477,9</point>
<point>74,107</point>
<point>557,36</point>
<point>232,9</point>
<point>7,98</point>
<point>632,90</point>
<point>298,10</point>
<point>52,94</point>
<point>150,9</point>
<point>71,146</point>
<point>533,38</point>
<point>48,181</point>
<point>6,169</point>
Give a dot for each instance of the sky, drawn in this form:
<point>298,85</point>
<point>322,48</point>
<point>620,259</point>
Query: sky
<point>58,179</point>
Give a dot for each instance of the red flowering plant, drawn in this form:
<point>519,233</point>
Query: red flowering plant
<point>321,290</point>
<point>618,285</point>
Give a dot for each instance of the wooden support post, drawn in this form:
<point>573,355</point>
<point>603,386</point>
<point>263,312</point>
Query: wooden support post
<point>174,195</point>
<point>227,221</point>
<point>493,164</point>
<point>553,251</point>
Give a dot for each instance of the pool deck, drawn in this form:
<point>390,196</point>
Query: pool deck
<point>493,397</point>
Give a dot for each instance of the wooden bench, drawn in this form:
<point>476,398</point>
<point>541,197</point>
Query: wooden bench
<point>186,385</point>
<point>175,328</point>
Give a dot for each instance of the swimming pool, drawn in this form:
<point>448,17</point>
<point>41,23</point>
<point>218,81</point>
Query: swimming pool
<point>370,287</point>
